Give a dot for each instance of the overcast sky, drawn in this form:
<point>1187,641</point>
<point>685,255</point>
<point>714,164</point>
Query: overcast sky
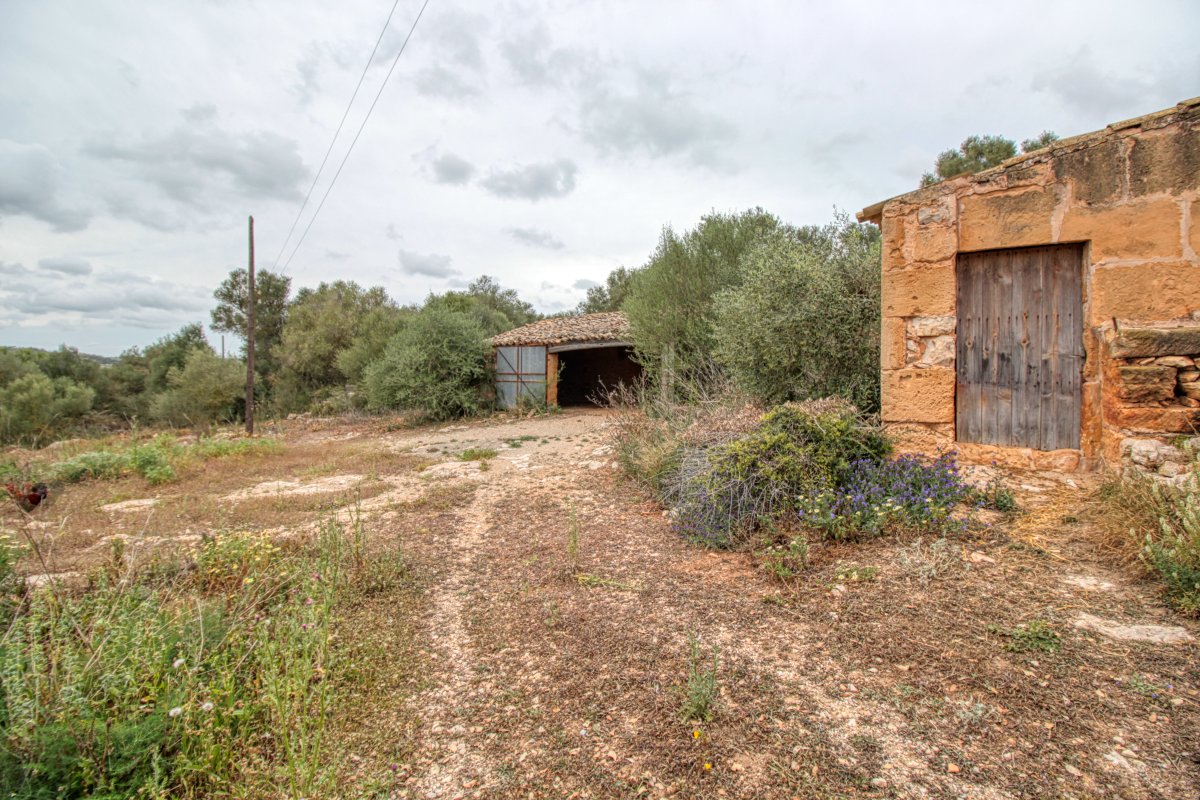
<point>544,143</point>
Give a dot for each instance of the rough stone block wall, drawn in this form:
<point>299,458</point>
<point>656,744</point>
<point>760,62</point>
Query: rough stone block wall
<point>1132,193</point>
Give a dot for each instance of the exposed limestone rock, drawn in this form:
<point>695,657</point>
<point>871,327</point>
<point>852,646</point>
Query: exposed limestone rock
<point>1157,634</point>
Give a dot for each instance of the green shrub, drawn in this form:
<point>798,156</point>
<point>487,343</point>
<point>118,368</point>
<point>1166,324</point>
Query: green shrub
<point>700,690</point>
<point>36,408</point>
<point>1035,635</point>
<point>437,365</point>
<point>670,299</point>
<point>96,464</point>
<point>804,320</point>
<point>153,462</point>
<point>723,492</point>
<point>206,390</point>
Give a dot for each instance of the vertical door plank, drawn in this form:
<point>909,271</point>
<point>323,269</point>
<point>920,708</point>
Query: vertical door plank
<point>1006,344</point>
<point>1023,263</point>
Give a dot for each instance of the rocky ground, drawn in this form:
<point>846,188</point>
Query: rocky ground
<point>548,648</point>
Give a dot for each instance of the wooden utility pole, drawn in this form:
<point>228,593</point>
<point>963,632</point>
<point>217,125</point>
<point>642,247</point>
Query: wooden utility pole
<point>250,341</point>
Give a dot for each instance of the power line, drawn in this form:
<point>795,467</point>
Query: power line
<point>354,141</point>
<point>336,133</point>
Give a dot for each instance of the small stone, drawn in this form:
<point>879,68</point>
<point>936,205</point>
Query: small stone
<point>1071,770</point>
<point>1179,362</point>
<point>953,769</point>
<point>879,783</point>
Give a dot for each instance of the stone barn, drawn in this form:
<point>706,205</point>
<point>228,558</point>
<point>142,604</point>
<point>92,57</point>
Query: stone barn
<point>1045,313</point>
<point>565,361</point>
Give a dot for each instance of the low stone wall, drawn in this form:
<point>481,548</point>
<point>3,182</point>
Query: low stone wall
<point>1151,383</point>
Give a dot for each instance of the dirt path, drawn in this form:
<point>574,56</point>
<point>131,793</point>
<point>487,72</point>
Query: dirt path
<point>518,665</point>
<point>553,677</point>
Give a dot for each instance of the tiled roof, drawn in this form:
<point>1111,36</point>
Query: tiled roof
<point>610,326</point>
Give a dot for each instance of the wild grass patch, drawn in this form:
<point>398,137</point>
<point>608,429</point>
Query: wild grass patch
<point>1158,524</point>
<point>193,684</point>
<point>158,460</point>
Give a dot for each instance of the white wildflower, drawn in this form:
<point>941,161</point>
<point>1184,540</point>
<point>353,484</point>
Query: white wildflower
<point>175,712</point>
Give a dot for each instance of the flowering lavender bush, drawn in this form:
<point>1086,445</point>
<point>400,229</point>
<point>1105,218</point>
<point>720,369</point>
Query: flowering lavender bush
<point>720,494</point>
<point>909,491</point>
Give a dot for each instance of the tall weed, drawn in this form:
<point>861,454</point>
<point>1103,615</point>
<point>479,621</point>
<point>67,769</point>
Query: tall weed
<point>187,686</point>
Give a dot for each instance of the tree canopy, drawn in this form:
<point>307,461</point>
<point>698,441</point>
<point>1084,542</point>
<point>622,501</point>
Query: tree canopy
<point>670,300</point>
<point>271,292</point>
<point>610,295</point>
<point>978,153</point>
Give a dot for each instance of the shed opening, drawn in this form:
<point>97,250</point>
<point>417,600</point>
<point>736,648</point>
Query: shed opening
<point>585,372</point>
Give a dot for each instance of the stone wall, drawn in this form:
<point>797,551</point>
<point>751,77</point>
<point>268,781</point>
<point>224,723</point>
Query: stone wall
<point>1132,193</point>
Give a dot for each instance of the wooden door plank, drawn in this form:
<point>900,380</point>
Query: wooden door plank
<point>966,352</point>
<point>1070,345</point>
<point>1006,345</point>
<point>1018,424</point>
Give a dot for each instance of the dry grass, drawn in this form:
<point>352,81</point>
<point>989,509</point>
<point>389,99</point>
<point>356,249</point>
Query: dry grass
<point>71,525</point>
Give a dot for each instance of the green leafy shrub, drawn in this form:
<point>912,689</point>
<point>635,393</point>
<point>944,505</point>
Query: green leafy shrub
<point>93,465</point>
<point>785,561</point>
<point>36,408</point>
<point>206,390</point>
<point>723,492</point>
<point>1035,635</point>
<point>670,300</point>
<point>437,365</point>
<point>804,320</point>
<point>700,689</point>
<point>153,462</point>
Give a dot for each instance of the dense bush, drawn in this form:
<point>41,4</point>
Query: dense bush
<point>804,321</point>
<point>437,365</point>
<point>670,299</point>
<point>207,389</point>
<point>721,493</point>
<point>36,408</point>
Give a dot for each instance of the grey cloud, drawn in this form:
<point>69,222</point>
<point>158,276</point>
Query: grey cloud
<point>535,62</point>
<point>449,168</point>
<point>67,266</point>
<point>200,113</point>
<point>14,270</point>
<point>391,232</point>
<point>533,181</point>
<point>194,162</point>
<point>112,297</point>
<point>655,119</point>
<point>584,283</point>
<point>456,36</point>
<point>437,81</point>
<point>1081,84</point>
<point>431,265</point>
<point>308,70</point>
<point>29,186</point>
<point>536,238</point>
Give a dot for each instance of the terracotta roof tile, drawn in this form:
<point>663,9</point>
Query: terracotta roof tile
<point>608,326</point>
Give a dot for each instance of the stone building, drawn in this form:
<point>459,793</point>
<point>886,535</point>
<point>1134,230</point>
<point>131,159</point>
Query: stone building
<point>1045,313</point>
<point>564,361</point>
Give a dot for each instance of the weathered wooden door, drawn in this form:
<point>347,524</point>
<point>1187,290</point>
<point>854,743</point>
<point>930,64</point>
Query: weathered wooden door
<point>1020,347</point>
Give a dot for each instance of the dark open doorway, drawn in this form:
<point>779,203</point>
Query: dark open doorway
<point>584,373</point>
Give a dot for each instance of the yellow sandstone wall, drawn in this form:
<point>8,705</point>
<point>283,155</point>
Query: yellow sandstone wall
<point>1132,193</point>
